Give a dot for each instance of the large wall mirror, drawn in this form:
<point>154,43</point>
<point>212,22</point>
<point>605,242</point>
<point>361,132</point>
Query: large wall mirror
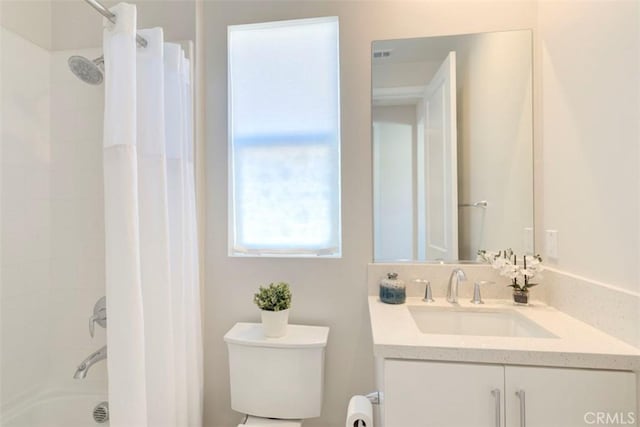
<point>452,146</point>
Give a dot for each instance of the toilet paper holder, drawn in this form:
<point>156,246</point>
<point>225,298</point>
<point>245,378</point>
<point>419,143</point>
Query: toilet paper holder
<point>374,397</point>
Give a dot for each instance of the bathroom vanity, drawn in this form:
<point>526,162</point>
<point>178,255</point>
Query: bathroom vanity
<point>440,364</point>
<point>448,113</point>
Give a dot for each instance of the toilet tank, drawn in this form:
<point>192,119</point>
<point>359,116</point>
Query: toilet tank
<point>277,377</point>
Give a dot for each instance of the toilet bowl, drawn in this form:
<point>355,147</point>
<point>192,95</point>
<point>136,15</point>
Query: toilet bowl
<point>277,382</point>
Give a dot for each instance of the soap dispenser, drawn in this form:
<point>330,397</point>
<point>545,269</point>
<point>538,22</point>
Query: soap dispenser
<point>393,290</point>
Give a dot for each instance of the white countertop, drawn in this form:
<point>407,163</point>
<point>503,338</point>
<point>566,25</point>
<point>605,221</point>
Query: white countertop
<point>395,335</point>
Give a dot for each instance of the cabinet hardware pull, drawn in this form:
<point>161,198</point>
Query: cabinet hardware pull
<point>523,413</point>
<point>496,394</point>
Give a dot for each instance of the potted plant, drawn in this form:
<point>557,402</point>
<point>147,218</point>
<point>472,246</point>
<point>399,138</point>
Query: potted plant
<point>520,274</point>
<point>274,300</point>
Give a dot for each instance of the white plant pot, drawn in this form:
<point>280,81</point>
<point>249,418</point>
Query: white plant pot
<point>274,323</point>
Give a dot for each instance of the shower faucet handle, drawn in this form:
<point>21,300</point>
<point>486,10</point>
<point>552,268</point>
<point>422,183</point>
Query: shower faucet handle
<point>96,318</point>
<point>99,315</point>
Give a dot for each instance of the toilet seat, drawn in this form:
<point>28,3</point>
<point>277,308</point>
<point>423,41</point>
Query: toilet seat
<point>269,422</point>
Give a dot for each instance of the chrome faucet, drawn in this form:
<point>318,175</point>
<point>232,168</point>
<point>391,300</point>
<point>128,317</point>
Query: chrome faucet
<point>457,276</point>
<point>91,360</point>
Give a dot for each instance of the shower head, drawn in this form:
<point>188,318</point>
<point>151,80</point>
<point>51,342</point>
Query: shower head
<point>86,70</point>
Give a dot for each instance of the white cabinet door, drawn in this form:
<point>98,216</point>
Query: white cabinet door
<point>433,394</point>
<point>555,397</point>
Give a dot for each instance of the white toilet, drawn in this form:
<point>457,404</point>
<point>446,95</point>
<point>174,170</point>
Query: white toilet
<point>277,382</point>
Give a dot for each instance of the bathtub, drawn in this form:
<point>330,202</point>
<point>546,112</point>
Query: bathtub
<point>54,409</point>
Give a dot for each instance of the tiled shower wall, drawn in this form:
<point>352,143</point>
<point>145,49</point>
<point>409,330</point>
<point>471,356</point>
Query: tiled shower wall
<point>25,221</point>
<point>52,258</point>
<point>77,224</point>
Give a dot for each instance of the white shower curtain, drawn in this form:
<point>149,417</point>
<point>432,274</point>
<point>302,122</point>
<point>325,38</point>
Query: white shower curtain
<point>154,339</point>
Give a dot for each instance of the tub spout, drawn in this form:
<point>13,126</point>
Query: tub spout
<point>87,363</point>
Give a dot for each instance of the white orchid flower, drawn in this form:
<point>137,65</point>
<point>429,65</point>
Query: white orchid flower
<point>510,271</point>
<point>504,262</point>
<point>500,263</point>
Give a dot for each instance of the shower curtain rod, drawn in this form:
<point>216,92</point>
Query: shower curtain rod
<point>112,18</point>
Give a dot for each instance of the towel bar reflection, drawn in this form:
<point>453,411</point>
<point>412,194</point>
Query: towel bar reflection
<point>481,204</point>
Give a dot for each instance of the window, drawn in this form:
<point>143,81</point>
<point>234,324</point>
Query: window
<point>284,138</point>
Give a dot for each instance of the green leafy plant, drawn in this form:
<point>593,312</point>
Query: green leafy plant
<point>274,297</point>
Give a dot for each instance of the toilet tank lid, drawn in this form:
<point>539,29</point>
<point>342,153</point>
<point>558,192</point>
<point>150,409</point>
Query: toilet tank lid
<point>298,336</point>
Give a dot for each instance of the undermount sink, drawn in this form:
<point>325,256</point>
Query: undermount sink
<point>479,322</point>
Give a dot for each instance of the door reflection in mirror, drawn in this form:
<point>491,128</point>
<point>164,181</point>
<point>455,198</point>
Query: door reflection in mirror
<point>452,146</point>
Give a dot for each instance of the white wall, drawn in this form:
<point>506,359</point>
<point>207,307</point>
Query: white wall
<point>591,103</point>
<point>77,224</point>
<point>590,63</point>
<point>25,228</point>
<point>401,74</point>
<point>52,231</point>
<point>29,19</point>
<point>326,292</point>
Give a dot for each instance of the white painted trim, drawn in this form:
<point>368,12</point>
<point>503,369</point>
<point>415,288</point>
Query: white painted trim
<point>404,95</point>
<point>280,24</point>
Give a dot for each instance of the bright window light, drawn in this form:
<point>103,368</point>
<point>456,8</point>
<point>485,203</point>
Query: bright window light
<point>284,138</point>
